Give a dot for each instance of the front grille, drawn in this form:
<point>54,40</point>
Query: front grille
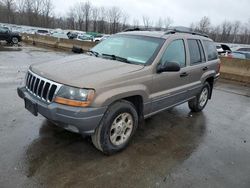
<point>40,87</point>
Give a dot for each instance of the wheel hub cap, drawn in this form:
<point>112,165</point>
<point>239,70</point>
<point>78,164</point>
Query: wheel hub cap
<point>203,97</point>
<point>121,129</point>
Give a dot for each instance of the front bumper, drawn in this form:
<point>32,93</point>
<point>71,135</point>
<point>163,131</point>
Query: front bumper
<point>75,119</point>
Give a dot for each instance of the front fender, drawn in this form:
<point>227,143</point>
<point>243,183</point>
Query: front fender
<point>108,97</point>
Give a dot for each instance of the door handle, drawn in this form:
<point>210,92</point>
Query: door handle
<point>184,74</point>
<point>205,68</point>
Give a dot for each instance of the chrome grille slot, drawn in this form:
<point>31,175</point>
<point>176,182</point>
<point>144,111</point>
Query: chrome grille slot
<point>42,88</point>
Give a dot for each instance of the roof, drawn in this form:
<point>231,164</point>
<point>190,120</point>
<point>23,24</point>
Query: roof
<point>165,34</point>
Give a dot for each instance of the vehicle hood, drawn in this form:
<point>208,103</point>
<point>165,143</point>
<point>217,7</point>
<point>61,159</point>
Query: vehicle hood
<point>83,71</point>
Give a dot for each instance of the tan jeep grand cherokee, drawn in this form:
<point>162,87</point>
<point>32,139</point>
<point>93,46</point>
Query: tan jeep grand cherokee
<point>121,81</point>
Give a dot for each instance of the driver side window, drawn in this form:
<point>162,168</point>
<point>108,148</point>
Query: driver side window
<point>3,30</point>
<point>175,52</point>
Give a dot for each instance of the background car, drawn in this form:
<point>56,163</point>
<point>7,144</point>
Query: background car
<point>223,49</point>
<point>85,38</point>
<point>42,32</point>
<point>61,35</point>
<point>8,36</point>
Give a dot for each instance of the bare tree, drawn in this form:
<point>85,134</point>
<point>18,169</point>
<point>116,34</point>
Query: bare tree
<point>136,23</point>
<point>226,31</point>
<point>71,19</point>
<point>125,17</point>
<point>79,14</point>
<point>86,8</point>
<point>204,25</point>
<point>215,33</point>
<point>10,8</point>
<point>159,24</point>
<point>95,15</point>
<point>236,29</point>
<point>47,11</point>
<point>146,22</point>
<point>114,15</point>
<point>102,19</point>
<point>167,22</point>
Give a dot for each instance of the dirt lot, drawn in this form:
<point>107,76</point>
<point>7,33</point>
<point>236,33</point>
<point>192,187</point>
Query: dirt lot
<point>174,149</point>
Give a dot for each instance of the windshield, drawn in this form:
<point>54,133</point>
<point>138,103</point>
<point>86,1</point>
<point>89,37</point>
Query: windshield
<point>135,49</point>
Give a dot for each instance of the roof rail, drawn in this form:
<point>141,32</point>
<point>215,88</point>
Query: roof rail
<point>173,31</point>
<point>132,29</point>
<point>140,29</point>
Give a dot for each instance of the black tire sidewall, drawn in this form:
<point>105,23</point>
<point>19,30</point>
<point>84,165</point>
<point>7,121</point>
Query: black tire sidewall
<point>115,111</point>
<point>13,41</point>
<point>206,85</point>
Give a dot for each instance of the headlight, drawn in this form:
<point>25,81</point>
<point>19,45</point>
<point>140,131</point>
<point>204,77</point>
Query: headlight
<point>74,96</point>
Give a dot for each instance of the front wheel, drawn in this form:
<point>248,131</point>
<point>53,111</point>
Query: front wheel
<point>14,40</point>
<point>116,128</point>
<point>198,104</point>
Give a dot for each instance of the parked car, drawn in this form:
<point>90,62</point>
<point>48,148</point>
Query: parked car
<point>223,49</point>
<point>8,36</point>
<point>97,38</point>
<point>126,78</point>
<point>85,37</point>
<point>42,32</point>
<point>104,37</point>
<point>239,55</point>
<point>244,49</point>
<point>60,35</point>
<point>72,35</point>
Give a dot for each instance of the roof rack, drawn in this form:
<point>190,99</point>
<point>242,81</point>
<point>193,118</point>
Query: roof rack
<point>140,29</point>
<point>173,31</point>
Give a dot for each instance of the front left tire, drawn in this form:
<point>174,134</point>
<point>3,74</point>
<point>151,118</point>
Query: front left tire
<point>116,128</point>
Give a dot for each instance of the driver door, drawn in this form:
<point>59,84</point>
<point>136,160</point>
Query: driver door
<point>170,88</point>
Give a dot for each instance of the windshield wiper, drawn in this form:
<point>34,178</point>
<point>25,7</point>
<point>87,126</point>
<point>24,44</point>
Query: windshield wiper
<point>118,58</point>
<point>93,52</point>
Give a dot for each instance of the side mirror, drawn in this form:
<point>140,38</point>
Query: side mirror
<point>168,67</point>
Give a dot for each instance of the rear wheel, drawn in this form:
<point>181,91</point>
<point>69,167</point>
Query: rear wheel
<point>117,128</point>
<point>198,104</point>
<point>14,40</point>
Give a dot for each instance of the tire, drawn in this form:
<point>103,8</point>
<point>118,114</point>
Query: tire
<point>117,127</point>
<point>198,104</point>
<point>14,40</point>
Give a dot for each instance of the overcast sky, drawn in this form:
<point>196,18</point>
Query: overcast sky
<point>183,12</point>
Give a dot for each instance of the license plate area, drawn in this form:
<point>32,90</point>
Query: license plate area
<point>31,106</point>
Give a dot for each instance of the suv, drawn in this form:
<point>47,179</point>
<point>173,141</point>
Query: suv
<point>8,36</point>
<point>126,78</point>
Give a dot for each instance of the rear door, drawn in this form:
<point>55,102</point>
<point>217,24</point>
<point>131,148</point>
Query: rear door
<point>169,88</point>
<point>197,65</point>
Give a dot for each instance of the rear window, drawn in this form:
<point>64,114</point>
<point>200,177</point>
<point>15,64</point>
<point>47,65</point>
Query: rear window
<point>210,49</point>
<point>244,49</point>
<point>196,51</point>
<point>42,31</point>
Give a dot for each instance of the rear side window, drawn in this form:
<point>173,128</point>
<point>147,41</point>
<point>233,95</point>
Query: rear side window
<point>244,49</point>
<point>175,52</point>
<point>196,51</point>
<point>210,49</point>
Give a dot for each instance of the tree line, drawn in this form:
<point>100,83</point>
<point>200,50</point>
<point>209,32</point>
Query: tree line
<point>227,32</point>
<point>86,17</point>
